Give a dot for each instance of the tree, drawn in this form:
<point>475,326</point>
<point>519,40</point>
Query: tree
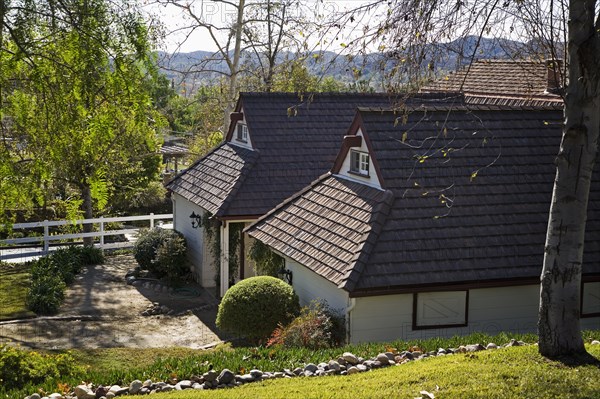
<point>78,101</point>
<point>403,29</point>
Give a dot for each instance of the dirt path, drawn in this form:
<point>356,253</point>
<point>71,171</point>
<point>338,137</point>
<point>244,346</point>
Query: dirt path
<point>102,311</point>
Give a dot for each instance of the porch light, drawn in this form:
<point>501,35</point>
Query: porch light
<point>196,220</point>
<point>285,274</point>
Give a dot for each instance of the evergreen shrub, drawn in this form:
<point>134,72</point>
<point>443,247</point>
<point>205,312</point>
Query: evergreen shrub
<point>254,307</point>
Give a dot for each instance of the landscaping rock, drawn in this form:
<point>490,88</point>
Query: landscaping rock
<point>383,359</point>
<point>595,342</point>
<point>226,377</point>
<point>257,374</point>
<point>210,376</point>
<point>185,384</point>
<point>353,370</point>
<point>333,365</point>
<point>246,378</point>
<point>136,386</point>
<point>34,396</point>
<point>101,392</point>
<point>514,342</point>
<point>491,345</point>
<point>350,358</point>
<point>312,368</point>
<point>83,392</point>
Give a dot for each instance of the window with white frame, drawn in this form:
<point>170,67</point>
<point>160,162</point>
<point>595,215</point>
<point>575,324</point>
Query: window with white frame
<point>590,300</point>
<point>440,309</point>
<point>359,162</point>
<point>242,132</point>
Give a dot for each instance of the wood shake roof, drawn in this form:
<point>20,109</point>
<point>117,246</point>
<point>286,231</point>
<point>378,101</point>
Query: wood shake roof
<point>468,190</point>
<point>295,140</point>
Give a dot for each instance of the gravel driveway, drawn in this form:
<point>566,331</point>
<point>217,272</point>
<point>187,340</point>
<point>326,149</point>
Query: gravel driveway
<point>102,311</point>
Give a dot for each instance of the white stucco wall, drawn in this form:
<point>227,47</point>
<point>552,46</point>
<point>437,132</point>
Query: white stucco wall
<point>310,286</point>
<point>490,310</point>
<point>372,179</point>
<point>198,255</point>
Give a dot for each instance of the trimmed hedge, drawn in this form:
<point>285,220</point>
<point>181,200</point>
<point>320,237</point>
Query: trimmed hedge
<point>254,307</point>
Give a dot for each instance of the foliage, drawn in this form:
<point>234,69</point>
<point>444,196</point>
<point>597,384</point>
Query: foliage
<point>171,256</point>
<point>212,229</point>
<point>149,199</point>
<point>161,364</point>
<point>78,104</point>
<point>19,367</point>
<point>254,307</point>
<point>161,251</point>
<point>317,326</point>
<point>51,274</point>
<point>14,284</point>
<point>266,262</point>
<point>46,293</point>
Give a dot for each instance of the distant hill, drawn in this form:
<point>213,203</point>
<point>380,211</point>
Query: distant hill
<point>190,70</point>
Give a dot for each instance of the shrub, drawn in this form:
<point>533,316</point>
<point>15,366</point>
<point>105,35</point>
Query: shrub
<point>90,255</point>
<point>46,293</point>
<point>317,327</point>
<point>171,256</point>
<point>254,307</point>
<point>19,367</point>
<point>161,251</point>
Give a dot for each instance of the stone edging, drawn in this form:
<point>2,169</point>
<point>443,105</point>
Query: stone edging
<point>347,364</point>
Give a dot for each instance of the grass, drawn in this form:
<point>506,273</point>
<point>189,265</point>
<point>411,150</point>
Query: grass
<point>478,373</point>
<point>14,282</point>
<point>518,372</point>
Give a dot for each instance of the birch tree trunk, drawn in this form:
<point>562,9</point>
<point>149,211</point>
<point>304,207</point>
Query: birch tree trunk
<point>234,65</point>
<point>558,326</point>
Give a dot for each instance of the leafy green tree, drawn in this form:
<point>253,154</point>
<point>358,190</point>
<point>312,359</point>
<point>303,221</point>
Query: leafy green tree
<point>79,104</point>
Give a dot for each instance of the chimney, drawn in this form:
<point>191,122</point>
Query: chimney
<point>553,76</point>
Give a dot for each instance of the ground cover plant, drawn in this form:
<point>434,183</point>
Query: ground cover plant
<point>14,283</point>
<point>121,366</point>
<point>51,274</point>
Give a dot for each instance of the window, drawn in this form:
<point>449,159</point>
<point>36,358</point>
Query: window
<point>242,132</point>
<point>359,163</point>
<point>590,300</point>
<point>440,309</point>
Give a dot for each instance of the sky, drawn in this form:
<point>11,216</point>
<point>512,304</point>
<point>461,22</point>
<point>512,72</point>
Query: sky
<point>178,38</point>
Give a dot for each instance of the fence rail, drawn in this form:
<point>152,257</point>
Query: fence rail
<point>13,248</point>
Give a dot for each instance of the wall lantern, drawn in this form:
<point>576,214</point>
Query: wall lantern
<point>196,220</point>
<point>285,274</point>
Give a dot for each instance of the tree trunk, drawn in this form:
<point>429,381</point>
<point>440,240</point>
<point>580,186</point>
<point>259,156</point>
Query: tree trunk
<point>558,326</point>
<point>235,66</point>
<point>88,213</point>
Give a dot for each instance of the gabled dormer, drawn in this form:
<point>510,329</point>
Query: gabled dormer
<point>355,160</point>
<point>239,133</point>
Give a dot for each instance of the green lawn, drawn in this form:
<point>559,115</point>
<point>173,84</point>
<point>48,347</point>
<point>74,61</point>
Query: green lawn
<point>14,281</point>
<point>517,372</point>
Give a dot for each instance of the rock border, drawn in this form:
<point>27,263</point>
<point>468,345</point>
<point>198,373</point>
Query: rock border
<point>346,364</point>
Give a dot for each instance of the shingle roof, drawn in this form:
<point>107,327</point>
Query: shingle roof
<point>297,139</point>
<point>327,226</point>
<point>212,180</point>
<point>506,82</point>
<point>472,190</point>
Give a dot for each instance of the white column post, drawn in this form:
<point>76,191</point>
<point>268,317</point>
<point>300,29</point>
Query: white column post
<point>46,238</point>
<point>101,232</point>
<point>224,257</point>
<point>151,220</point>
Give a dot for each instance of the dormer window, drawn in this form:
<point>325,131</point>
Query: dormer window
<point>359,163</point>
<point>242,132</point>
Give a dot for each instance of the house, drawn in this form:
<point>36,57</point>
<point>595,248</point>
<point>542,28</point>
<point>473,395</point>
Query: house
<point>276,144</point>
<point>505,82</point>
<point>432,222</point>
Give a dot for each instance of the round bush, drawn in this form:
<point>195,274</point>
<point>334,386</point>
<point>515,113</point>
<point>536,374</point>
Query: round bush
<point>254,307</point>
<point>144,250</point>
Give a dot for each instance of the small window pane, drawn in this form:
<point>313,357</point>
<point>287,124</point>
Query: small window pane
<point>359,162</point>
<point>447,308</point>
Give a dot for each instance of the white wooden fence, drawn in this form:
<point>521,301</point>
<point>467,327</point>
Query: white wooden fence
<point>13,248</point>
